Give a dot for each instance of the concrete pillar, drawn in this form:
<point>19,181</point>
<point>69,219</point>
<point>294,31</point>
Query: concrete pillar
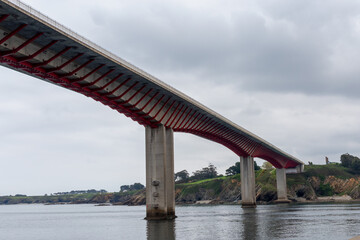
<point>247,182</point>
<point>170,178</point>
<point>160,192</point>
<point>281,185</point>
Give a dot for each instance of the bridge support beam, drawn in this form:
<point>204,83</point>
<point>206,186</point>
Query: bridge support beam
<point>281,186</point>
<point>160,186</point>
<point>248,198</point>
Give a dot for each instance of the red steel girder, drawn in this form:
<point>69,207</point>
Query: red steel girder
<point>64,64</point>
<point>172,114</point>
<point>171,105</point>
<point>142,98</point>
<point>184,118</point>
<point>107,84</point>
<point>77,69</point>
<point>188,119</point>
<point>153,107</point>
<point>125,92</point>
<point>98,79</point>
<point>183,105</point>
<point>73,86</point>
<point>132,96</point>
<point>37,52</point>
<point>196,122</point>
<point>9,35</point>
<point>147,103</point>
<point>52,58</point>
<point>180,117</point>
<point>24,44</point>
<point>116,88</point>
<point>3,17</point>
<point>88,74</point>
<point>202,123</point>
<point>192,121</point>
<point>162,107</point>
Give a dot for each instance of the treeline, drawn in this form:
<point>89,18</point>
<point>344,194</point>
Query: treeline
<point>351,162</point>
<point>208,173</point>
<point>133,187</point>
<point>80,192</point>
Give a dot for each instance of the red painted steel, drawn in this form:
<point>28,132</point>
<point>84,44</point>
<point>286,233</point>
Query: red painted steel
<point>52,58</point>
<point>171,105</point>
<point>77,69</point>
<point>117,87</point>
<point>98,79</point>
<point>132,96</point>
<point>182,118</point>
<point>153,107</point>
<point>89,73</point>
<point>107,84</point>
<point>125,92</point>
<point>3,17</point>
<point>143,97</point>
<point>188,119</point>
<point>147,103</point>
<point>162,107</point>
<point>24,44</point>
<point>64,64</point>
<point>11,34</point>
<point>37,52</point>
<point>166,124</point>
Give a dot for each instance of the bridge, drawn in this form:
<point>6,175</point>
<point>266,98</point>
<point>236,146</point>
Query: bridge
<point>36,45</point>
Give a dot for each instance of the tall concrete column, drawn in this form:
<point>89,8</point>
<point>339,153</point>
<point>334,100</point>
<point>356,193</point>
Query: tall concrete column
<point>160,201</point>
<point>281,185</point>
<point>247,182</point>
<point>170,178</point>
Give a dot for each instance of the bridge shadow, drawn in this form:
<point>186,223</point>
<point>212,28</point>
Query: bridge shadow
<point>156,230</point>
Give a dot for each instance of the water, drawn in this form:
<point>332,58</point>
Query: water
<point>62,222</point>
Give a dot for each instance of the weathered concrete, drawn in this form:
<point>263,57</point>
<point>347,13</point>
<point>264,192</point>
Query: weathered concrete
<point>281,186</point>
<point>170,179</point>
<point>160,187</point>
<point>248,198</point>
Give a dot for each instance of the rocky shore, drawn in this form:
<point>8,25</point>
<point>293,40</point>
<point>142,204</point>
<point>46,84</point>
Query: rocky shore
<point>322,183</point>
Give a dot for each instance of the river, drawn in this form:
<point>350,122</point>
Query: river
<point>80,222</point>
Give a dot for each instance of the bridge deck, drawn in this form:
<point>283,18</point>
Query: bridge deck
<point>38,46</point>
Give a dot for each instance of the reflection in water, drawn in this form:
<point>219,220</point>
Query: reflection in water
<point>250,223</point>
<point>156,230</point>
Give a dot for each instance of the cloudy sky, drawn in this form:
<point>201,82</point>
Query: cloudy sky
<point>285,70</point>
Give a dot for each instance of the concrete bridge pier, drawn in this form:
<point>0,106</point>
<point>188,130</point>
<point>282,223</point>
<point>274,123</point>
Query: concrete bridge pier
<point>281,186</point>
<point>160,185</point>
<point>247,174</point>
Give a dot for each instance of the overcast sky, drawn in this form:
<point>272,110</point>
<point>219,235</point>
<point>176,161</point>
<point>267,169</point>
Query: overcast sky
<point>285,70</point>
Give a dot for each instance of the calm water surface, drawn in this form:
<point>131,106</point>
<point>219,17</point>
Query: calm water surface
<point>59,222</point>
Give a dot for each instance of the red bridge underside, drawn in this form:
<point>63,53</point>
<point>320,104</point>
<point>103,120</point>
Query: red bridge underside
<point>183,118</point>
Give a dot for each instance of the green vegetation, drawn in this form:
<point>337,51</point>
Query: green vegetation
<point>207,184</point>
<point>133,187</point>
<point>351,162</point>
<point>334,169</point>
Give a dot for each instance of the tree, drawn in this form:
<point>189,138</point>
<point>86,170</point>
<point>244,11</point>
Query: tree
<point>206,172</point>
<point>182,175</point>
<point>137,186</point>
<point>267,166</point>
<point>350,161</point>
<point>124,188</point>
<point>256,167</point>
<point>233,170</point>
